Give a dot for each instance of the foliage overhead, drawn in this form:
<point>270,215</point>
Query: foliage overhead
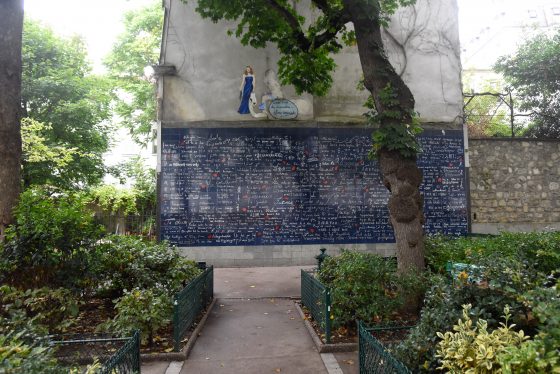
<point>68,108</point>
<point>136,48</point>
<point>305,45</point>
<point>534,72</point>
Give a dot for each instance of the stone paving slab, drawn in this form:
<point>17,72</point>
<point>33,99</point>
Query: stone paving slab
<point>348,362</point>
<point>257,282</point>
<point>157,367</point>
<point>254,336</point>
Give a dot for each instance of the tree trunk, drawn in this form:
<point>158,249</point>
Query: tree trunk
<point>11,19</point>
<point>401,175</point>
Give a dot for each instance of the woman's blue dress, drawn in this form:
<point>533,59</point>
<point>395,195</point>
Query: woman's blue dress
<point>247,89</point>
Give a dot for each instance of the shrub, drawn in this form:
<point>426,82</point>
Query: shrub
<point>127,262</point>
<point>54,309</point>
<point>19,356</point>
<point>146,310</point>
<point>541,250</point>
<point>443,306</point>
<point>365,286</point>
<point>542,354</point>
<point>49,242</point>
<point>474,349</point>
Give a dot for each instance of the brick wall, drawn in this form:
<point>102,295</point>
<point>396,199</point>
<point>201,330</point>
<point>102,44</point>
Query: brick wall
<point>514,184</point>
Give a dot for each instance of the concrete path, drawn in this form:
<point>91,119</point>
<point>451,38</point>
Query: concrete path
<point>257,282</point>
<point>254,328</point>
<point>254,336</point>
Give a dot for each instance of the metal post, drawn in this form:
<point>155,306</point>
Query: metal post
<point>176,333</point>
<point>137,353</point>
<point>511,115</point>
<point>327,315</point>
<point>321,257</point>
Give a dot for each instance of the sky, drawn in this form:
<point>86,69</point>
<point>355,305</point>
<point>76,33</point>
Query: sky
<point>99,22</point>
<point>492,28</point>
<point>488,28</point>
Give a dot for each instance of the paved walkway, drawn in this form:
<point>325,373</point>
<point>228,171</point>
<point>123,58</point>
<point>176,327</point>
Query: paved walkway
<point>253,328</point>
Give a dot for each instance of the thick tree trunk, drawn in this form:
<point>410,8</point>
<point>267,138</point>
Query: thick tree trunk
<point>11,19</point>
<point>401,175</point>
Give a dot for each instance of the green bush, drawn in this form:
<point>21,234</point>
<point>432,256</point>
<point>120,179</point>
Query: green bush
<point>365,286</point>
<point>146,310</point>
<point>19,356</point>
<point>53,309</point>
<point>541,250</point>
<point>542,354</point>
<point>50,240</point>
<point>127,262</point>
<point>443,307</point>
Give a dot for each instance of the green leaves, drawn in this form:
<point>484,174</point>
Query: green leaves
<point>308,72</point>
<point>145,309</point>
<point>472,348</point>
<point>59,92</point>
<point>136,48</point>
<point>365,286</point>
<point>534,72</point>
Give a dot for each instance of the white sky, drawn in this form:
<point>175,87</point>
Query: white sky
<point>98,21</point>
<point>488,28</point>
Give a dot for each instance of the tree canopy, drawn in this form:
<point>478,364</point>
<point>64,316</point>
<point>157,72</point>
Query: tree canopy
<point>534,72</point>
<point>136,48</point>
<point>67,107</point>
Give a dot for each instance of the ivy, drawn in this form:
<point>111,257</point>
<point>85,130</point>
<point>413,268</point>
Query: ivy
<point>397,132</point>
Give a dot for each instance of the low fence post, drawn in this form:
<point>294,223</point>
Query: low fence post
<point>327,315</point>
<point>176,337</point>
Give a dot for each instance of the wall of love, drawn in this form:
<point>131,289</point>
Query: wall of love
<point>278,186</point>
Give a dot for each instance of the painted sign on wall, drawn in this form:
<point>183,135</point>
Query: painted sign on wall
<point>270,186</point>
<point>283,109</point>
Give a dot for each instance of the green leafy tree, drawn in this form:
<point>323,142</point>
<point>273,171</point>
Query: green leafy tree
<point>68,109</point>
<point>306,47</point>
<point>136,48</point>
<point>534,72</point>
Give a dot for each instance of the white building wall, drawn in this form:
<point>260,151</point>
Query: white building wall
<point>423,45</point>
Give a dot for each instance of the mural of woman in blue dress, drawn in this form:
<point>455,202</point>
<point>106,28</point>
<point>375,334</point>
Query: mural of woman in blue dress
<point>247,85</point>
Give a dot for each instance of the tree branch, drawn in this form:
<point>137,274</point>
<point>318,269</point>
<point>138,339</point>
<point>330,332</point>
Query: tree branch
<point>323,5</point>
<point>292,21</point>
<point>337,22</point>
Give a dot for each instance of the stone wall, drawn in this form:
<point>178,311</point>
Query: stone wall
<point>515,185</point>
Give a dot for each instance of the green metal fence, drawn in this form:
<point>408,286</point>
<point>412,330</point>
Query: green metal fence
<point>189,303</point>
<point>374,356</point>
<point>317,299</point>
<point>116,355</point>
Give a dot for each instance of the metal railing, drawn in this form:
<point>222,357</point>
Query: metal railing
<point>373,355</point>
<point>317,299</point>
<point>189,303</point>
<point>116,355</point>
